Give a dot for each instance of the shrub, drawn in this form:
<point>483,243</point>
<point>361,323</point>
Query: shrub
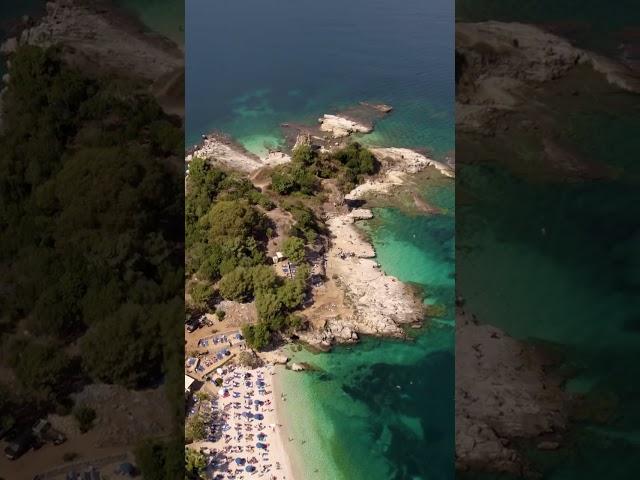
<point>293,248</point>
<point>84,416</point>
<point>257,336</point>
<point>303,154</point>
<point>201,294</point>
<point>195,429</point>
<point>237,285</point>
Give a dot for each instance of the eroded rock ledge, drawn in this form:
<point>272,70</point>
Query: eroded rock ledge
<point>504,394</point>
<point>225,152</point>
<point>497,63</point>
<point>92,32</point>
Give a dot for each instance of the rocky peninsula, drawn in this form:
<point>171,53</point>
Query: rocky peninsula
<point>499,65</point>
<point>397,165</point>
<point>356,297</point>
<point>97,37</point>
<point>374,303</point>
<point>223,151</point>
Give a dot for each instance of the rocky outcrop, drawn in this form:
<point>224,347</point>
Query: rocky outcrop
<point>397,165</point>
<point>297,367</point>
<point>224,152</point>
<point>381,303</point>
<point>503,394</point>
<point>335,331</point>
<point>97,38</point>
<point>498,63</point>
<point>381,107</point>
<point>340,127</point>
<point>280,359</point>
<point>9,46</point>
<point>275,158</point>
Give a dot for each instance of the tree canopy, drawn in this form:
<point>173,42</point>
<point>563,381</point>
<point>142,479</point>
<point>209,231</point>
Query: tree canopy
<point>91,230</point>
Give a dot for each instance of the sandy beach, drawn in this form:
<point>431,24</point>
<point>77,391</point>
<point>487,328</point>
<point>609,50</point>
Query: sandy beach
<point>244,437</point>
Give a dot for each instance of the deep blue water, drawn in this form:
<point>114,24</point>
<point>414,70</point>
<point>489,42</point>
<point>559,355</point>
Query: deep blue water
<point>253,64</point>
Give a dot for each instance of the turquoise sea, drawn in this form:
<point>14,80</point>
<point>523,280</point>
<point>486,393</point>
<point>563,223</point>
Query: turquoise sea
<point>384,409</point>
<point>559,262</point>
<point>381,409</point>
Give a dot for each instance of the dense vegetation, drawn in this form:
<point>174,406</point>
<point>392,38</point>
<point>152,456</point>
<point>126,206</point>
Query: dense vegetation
<point>224,227</point>
<point>91,236</point>
<point>348,165</point>
<point>227,232</point>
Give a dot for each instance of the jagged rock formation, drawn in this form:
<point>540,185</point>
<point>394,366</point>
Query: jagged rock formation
<point>223,151</point>
<point>341,127</point>
<point>381,302</point>
<point>503,394</point>
<point>397,165</point>
<point>498,63</point>
<point>91,33</point>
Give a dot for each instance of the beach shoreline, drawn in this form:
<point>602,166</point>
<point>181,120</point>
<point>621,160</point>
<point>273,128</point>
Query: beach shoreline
<point>232,432</point>
<point>292,465</point>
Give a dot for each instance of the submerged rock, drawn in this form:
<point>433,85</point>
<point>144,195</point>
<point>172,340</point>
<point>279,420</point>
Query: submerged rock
<point>297,367</point>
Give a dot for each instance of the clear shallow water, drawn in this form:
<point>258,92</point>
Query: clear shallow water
<point>577,284</point>
<point>292,61</point>
<point>384,409</point>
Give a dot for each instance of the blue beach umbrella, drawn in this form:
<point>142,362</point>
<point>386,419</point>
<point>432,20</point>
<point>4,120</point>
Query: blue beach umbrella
<point>240,461</point>
<point>250,468</point>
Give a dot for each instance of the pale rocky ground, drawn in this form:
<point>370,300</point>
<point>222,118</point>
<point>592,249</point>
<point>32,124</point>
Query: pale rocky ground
<point>226,154</point>
<point>382,303</point>
<point>223,152</point>
<point>503,393</point>
<point>372,302</point>
<point>397,166</point>
<point>100,40</point>
<point>502,61</point>
<point>342,127</point>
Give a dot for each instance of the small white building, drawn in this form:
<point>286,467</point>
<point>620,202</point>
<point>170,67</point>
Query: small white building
<point>188,384</point>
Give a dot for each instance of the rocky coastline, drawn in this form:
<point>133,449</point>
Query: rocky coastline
<point>222,150</point>
<point>89,32</point>
<point>499,65</point>
<point>505,396</point>
<point>398,164</point>
<point>357,298</point>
